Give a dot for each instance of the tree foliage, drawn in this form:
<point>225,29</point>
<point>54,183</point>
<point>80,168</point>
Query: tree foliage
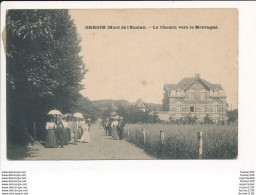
<point>207,120</point>
<point>88,110</point>
<point>188,119</point>
<point>232,116</point>
<point>44,69</point>
<point>131,114</point>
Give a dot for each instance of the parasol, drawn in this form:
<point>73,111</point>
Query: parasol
<point>54,112</point>
<point>78,115</point>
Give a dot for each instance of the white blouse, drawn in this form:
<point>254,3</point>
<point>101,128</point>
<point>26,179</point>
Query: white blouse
<point>114,123</point>
<point>65,124</point>
<point>50,125</point>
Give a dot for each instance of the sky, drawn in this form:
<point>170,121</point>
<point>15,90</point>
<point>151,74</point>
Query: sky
<point>131,64</point>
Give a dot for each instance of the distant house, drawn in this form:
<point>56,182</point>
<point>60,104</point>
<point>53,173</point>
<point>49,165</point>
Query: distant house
<point>197,97</point>
<point>141,105</point>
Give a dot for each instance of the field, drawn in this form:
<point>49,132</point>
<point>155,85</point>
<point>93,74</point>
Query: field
<point>182,141</point>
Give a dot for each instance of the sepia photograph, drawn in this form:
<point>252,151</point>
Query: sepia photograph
<point>122,84</point>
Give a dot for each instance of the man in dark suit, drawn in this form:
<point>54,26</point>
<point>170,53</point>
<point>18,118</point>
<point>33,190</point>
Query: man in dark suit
<point>121,125</point>
<point>60,132</point>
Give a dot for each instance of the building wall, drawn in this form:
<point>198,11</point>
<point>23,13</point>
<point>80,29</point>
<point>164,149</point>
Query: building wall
<point>197,101</point>
<point>163,116</point>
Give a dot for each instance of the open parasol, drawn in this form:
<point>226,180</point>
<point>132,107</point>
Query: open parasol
<point>78,115</point>
<point>54,112</point>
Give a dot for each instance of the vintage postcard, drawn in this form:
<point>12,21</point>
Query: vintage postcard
<point>127,84</point>
<point>128,97</point>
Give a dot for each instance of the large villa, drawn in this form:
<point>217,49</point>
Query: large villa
<point>194,96</point>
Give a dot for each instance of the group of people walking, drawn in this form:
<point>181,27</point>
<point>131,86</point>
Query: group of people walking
<point>114,126</point>
<point>65,129</point>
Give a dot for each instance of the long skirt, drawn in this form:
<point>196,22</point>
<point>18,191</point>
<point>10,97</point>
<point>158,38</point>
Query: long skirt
<point>109,129</point>
<point>50,139</point>
<point>59,137</point>
<point>106,130</point>
<point>75,137</point>
<point>65,136</point>
<point>69,134</point>
<point>121,133</point>
<point>85,137</point>
<point>80,133</point>
<point>115,133</point>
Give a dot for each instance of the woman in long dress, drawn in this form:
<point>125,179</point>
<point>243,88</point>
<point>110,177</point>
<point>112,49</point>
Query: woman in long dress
<point>50,135</point>
<point>80,129</point>
<point>114,128</point>
<point>109,128</point>
<point>75,131</point>
<point>65,132</point>
<point>71,127</point>
<point>85,136</point>
<point>59,133</point>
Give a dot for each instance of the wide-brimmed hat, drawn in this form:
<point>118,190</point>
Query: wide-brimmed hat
<point>113,114</point>
<point>115,117</point>
<point>78,115</point>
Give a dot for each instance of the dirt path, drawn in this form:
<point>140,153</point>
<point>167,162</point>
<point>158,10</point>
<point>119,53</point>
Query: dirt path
<point>100,147</point>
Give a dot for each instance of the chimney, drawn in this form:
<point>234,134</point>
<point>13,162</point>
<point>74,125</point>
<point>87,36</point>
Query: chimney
<point>197,76</point>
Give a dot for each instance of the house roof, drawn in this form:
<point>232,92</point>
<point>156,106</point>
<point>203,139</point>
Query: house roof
<point>140,104</point>
<point>185,83</point>
<point>211,86</point>
<point>169,86</point>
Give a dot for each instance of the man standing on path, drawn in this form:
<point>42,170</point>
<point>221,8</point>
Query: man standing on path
<point>75,131</point>
<point>71,126</point>
<point>60,133</point>
<point>108,126</point>
<point>105,125</point>
<point>121,125</point>
<point>88,121</point>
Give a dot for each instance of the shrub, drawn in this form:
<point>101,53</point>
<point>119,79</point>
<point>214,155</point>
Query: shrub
<point>207,120</point>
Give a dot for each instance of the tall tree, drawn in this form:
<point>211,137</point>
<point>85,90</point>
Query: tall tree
<point>44,69</point>
<point>88,110</point>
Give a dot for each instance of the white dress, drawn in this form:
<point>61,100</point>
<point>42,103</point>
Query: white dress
<point>86,136</point>
<point>114,130</point>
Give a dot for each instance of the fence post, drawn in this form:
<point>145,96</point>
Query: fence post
<point>144,136</point>
<point>162,142</point>
<point>35,130</point>
<point>200,139</point>
<point>162,137</point>
<point>134,136</point>
<point>128,132</point>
